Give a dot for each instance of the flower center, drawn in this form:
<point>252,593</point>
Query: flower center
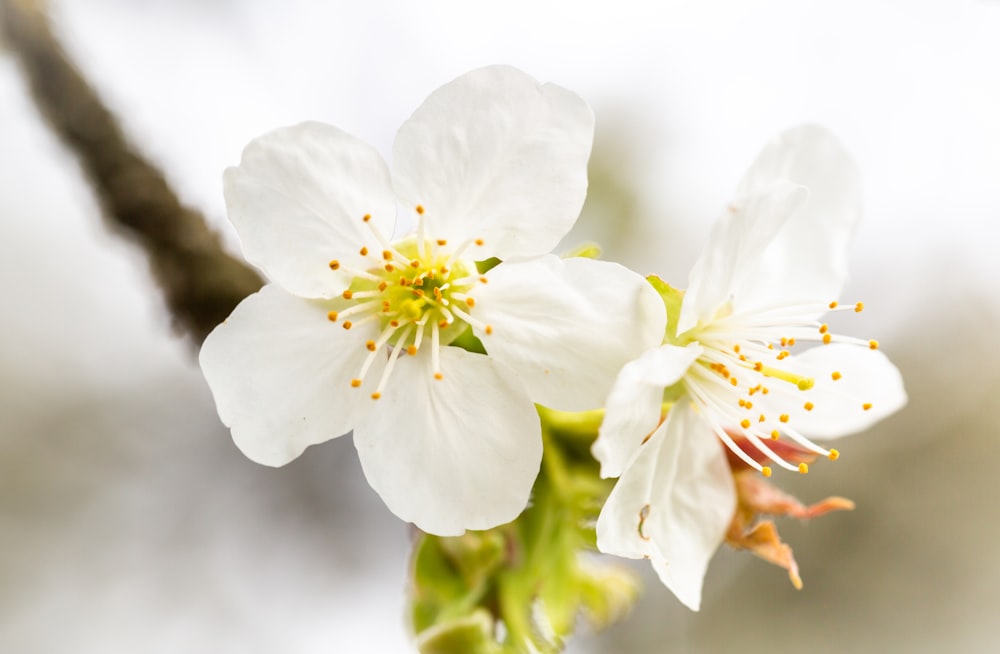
<point>412,290</point>
<point>744,377</point>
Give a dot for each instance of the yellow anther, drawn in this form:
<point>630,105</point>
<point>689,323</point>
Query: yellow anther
<point>826,339</point>
<point>370,345</point>
<point>742,402</point>
<point>420,209</point>
<point>489,329</point>
<point>736,348</point>
<point>766,471</point>
<point>382,286</point>
<point>749,405</point>
<point>859,307</point>
<point>784,341</point>
<point>765,390</point>
<point>438,376</point>
<point>389,267</point>
<point>480,241</point>
<point>347,324</point>
<point>775,434</point>
<point>334,264</point>
<point>833,305</point>
<point>442,324</point>
<point>783,355</point>
<point>355,383</point>
<point>808,406</point>
<point>367,217</point>
<point>803,468</point>
<point>347,295</point>
<point>471,302</point>
<point>770,346</point>
<point>332,316</point>
<point>867,406</point>
<point>444,270</point>
<point>376,395</point>
<point>836,375</point>
<point>411,350</point>
<point>758,366</point>
<point>415,264</point>
<point>363,251</point>
<point>783,417</point>
<point>791,341</point>
<point>394,323</point>
<point>442,242</point>
<point>873,345</point>
<point>824,328</point>
<point>762,418</point>
<point>386,255</point>
<point>743,357</point>
<point>733,381</point>
<point>806,383</point>
<point>833,455</point>
<point>745,423</point>
<point>483,279</point>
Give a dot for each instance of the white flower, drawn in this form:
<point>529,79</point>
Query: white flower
<point>774,262</point>
<point>357,332</point>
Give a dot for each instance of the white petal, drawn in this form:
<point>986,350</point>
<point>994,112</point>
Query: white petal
<point>280,372</point>
<point>298,199</point>
<point>801,258</point>
<point>808,259</point>
<point>567,326</point>
<point>498,156</point>
<point>633,408</point>
<point>868,377</point>
<point>673,504</point>
<point>452,454</point>
<point>739,237</point>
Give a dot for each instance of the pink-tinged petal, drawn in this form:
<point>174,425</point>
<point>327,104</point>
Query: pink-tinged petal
<point>672,505</point>
<point>496,155</point>
<point>280,373</point>
<point>452,454</point>
<point>730,260</point>
<point>298,199</point>
<point>869,389</point>
<point>567,326</point>
<point>634,406</point>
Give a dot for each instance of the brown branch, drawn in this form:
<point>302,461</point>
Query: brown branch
<point>200,282</point>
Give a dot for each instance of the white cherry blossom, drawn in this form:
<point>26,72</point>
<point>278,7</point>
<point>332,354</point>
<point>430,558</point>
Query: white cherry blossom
<point>359,330</point>
<point>732,363</point>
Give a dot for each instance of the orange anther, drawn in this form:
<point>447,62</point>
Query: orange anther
<point>808,406</point>
<point>332,316</point>
<point>866,406</point>
<point>334,264</point>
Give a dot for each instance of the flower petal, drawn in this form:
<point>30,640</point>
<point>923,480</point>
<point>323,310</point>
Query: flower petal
<point>867,378</point>
<point>807,260</point>
<point>775,247</point>
<point>634,406</point>
<point>280,373</point>
<point>496,155</point>
<point>734,250</point>
<point>673,504</point>
<point>452,454</point>
<point>297,200</point>
<point>567,326</point>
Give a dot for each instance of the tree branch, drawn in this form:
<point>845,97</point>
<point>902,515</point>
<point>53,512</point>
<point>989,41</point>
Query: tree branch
<point>200,282</point>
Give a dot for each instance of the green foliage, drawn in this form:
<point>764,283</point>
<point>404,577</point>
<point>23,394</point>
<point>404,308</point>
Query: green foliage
<point>522,587</point>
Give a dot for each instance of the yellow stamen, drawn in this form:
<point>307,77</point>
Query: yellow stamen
<point>803,468</point>
<point>766,471</point>
<point>866,406</point>
<point>334,264</point>
<point>808,406</point>
<point>355,383</point>
<point>833,455</point>
<point>873,345</point>
<point>420,209</point>
<point>836,375</point>
<point>332,316</point>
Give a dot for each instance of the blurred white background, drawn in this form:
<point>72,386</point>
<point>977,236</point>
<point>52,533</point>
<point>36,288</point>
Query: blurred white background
<point>130,522</point>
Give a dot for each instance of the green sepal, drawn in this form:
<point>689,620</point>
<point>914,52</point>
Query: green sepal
<point>672,300</point>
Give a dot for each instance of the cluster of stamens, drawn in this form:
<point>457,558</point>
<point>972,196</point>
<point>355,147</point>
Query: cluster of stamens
<point>411,291</point>
<point>741,364</point>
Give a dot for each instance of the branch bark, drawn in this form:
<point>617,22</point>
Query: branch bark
<point>200,282</point>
